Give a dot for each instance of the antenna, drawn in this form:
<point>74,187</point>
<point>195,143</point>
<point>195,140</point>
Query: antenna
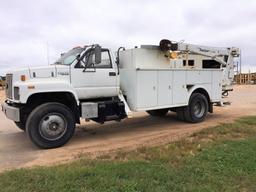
<point>240,62</point>
<point>47,52</point>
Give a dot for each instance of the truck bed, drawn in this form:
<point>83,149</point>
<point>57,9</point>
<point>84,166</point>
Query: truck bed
<point>147,86</point>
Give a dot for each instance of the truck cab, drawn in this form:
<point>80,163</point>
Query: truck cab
<point>82,74</point>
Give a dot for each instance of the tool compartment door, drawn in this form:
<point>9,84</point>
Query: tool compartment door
<point>164,88</point>
<point>180,93</point>
<point>216,86</point>
<point>146,89</point>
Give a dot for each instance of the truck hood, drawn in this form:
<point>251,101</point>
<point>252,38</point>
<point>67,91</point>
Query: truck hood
<point>49,71</point>
<point>42,72</point>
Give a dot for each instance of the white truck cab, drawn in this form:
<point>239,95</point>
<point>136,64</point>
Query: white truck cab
<point>89,83</point>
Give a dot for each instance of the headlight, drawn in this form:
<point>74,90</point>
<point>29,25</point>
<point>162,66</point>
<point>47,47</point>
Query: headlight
<point>16,93</point>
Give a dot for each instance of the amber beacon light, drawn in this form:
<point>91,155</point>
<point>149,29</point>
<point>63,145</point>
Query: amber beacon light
<point>23,77</point>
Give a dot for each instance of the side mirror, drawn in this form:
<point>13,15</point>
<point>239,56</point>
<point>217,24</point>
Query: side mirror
<point>97,54</point>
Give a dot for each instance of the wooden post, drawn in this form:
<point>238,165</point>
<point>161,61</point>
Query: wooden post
<point>249,77</point>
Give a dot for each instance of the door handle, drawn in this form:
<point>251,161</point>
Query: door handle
<point>112,73</point>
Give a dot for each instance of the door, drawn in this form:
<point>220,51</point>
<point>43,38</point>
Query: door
<point>92,80</point>
<point>180,93</point>
<point>146,89</point>
<point>164,88</point>
<point>216,85</point>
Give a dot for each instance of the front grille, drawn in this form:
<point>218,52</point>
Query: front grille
<point>16,93</point>
<point>8,90</point>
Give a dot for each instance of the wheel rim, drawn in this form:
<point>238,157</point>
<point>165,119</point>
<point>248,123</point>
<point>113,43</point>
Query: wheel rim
<point>199,109</point>
<point>53,126</point>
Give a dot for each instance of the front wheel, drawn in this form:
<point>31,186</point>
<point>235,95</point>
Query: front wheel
<point>197,109</point>
<point>50,125</point>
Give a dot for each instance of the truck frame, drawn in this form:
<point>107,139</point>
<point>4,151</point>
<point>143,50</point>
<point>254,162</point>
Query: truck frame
<point>89,83</point>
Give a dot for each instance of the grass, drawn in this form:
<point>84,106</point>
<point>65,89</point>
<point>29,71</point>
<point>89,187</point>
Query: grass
<point>220,158</point>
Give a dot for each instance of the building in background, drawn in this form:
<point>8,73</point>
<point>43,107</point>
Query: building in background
<point>245,78</point>
<point>2,82</point>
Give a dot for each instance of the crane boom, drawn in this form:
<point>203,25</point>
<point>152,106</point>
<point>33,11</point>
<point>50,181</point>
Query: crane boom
<point>222,55</point>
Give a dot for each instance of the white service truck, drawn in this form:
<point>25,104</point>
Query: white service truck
<point>88,82</point>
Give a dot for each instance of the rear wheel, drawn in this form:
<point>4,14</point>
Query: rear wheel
<point>197,109</point>
<point>50,125</point>
<point>158,112</point>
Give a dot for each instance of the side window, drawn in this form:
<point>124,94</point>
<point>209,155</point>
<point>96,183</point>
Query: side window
<point>105,60</point>
<point>89,58</point>
<point>190,63</point>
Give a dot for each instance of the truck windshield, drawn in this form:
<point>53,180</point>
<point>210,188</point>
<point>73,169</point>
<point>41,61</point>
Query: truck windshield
<point>69,57</point>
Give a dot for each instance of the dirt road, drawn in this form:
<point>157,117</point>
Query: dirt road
<point>92,139</point>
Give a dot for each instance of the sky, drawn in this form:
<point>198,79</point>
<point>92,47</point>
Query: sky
<point>35,31</point>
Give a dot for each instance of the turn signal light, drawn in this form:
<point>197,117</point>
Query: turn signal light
<point>31,87</point>
<point>23,77</point>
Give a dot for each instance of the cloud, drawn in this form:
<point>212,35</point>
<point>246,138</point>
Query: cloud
<point>28,26</point>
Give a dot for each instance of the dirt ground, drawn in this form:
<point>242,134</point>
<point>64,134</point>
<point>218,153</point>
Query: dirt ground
<point>92,139</point>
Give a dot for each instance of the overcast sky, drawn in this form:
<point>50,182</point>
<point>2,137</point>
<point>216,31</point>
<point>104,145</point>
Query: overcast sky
<point>27,26</point>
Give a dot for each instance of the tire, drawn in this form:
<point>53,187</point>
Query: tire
<point>197,109</point>
<point>158,112</point>
<point>21,125</point>
<point>50,125</point>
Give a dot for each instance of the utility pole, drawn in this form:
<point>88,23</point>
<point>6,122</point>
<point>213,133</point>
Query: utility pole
<point>47,52</point>
<point>240,62</point>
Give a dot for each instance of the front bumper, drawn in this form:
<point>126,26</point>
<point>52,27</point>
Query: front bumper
<point>11,112</point>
